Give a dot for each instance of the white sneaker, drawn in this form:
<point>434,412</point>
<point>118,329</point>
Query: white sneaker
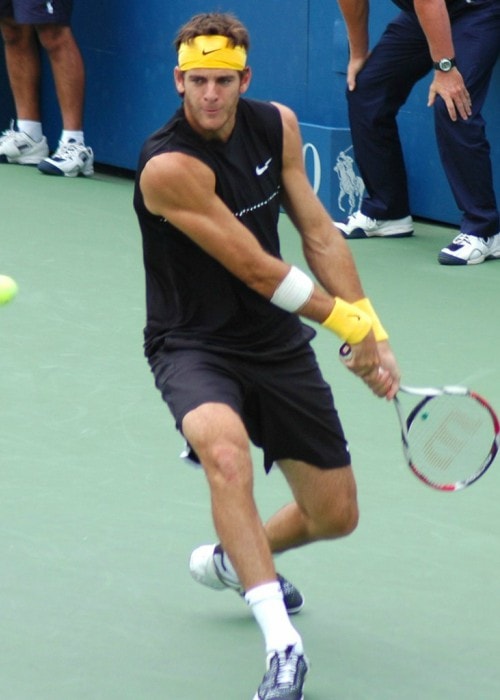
<point>466,249</point>
<point>209,566</point>
<point>18,147</point>
<point>205,570</point>
<point>359,225</point>
<point>70,159</point>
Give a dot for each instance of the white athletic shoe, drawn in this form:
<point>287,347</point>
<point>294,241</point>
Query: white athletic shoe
<point>359,225</point>
<point>466,249</point>
<point>17,147</point>
<point>70,159</point>
<point>209,566</point>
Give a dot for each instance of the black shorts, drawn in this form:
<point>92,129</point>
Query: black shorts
<point>286,406</point>
<point>38,11</point>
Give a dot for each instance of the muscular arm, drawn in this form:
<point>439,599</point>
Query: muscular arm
<point>325,250</point>
<point>182,189</point>
<point>328,255</point>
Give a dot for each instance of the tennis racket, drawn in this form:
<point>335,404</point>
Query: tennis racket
<point>450,437</point>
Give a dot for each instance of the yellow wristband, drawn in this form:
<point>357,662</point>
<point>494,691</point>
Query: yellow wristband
<point>349,322</point>
<point>378,330</point>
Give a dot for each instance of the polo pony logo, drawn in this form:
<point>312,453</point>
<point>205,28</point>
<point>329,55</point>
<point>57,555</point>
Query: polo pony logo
<point>350,184</point>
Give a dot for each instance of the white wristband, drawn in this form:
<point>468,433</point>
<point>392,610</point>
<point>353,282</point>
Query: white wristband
<point>293,291</point>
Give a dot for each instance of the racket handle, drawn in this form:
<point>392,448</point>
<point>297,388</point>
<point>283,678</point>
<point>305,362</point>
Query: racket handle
<point>345,352</point>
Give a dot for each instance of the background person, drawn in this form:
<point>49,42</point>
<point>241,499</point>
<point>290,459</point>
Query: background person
<point>460,40</point>
<point>25,25</point>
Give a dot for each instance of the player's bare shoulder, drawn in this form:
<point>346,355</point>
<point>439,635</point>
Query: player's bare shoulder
<point>288,116</point>
<point>172,177</point>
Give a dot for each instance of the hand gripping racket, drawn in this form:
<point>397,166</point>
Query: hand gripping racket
<point>450,437</point>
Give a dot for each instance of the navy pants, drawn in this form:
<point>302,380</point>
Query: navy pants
<point>397,62</point>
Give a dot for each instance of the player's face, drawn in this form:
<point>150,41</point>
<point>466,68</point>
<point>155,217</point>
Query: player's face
<point>211,98</point>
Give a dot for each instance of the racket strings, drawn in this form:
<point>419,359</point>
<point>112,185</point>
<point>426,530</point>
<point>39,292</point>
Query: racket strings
<point>449,438</point>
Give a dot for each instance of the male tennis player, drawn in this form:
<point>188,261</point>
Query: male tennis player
<point>228,350</point>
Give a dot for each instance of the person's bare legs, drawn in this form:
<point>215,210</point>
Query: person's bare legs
<point>22,58</point>
<point>68,71</point>
<point>325,506</point>
<point>221,442</point>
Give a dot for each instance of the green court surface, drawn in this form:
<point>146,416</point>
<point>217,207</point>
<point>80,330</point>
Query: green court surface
<point>98,515</point>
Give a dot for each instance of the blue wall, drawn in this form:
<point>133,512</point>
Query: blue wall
<point>298,54</point>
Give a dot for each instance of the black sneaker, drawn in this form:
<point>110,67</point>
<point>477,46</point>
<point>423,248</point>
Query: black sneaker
<point>285,676</point>
<point>207,566</point>
<point>292,597</point>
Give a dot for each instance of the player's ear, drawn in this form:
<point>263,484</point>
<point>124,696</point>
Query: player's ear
<point>246,77</point>
<point>179,80</point>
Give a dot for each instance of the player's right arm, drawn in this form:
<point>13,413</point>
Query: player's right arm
<point>181,189</point>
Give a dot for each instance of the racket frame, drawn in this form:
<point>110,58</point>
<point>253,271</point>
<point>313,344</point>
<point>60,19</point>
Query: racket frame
<point>427,394</point>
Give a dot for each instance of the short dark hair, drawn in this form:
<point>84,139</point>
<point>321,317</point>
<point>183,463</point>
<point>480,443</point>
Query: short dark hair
<point>218,23</point>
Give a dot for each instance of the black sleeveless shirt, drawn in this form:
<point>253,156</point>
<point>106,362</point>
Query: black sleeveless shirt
<point>192,300</point>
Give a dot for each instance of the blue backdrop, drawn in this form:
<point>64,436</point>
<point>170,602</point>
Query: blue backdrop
<point>298,55</point>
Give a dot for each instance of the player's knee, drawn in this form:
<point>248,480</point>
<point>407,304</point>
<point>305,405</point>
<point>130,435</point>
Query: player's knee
<point>228,464</point>
<point>341,522</point>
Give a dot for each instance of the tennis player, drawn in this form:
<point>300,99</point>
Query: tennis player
<point>224,337</point>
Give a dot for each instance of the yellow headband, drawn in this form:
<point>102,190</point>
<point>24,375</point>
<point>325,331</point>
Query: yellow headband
<point>211,51</point>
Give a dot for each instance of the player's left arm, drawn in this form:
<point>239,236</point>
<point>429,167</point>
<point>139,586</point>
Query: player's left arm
<point>325,250</point>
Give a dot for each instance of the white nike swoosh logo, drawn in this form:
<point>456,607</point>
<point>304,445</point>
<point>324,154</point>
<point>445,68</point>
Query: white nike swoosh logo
<point>262,168</point>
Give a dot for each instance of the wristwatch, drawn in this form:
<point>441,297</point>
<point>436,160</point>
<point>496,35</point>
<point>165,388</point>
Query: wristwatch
<point>445,64</point>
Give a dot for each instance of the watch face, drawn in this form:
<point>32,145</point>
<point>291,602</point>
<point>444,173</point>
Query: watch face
<point>445,64</point>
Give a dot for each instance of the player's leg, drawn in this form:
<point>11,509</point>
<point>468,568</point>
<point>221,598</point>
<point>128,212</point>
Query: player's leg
<point>220,440</point>
<point>325,506</point>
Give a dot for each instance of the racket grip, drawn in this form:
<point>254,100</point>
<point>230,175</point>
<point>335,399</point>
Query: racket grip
<point>345,352</point>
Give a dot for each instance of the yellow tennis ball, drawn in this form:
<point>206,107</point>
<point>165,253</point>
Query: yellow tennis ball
<point>8,289</point>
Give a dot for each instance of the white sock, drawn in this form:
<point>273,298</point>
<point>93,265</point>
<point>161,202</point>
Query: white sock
<point>266,603</point>
<point>33,129</point>
<point>67,135</point>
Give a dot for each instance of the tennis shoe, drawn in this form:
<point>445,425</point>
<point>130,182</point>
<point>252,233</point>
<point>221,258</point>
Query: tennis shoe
<point>70,160</point>
<point>208,566</point>
<point>285,676</point>
<point>359,225</point>
<point>466,249</point>
<point>17,147</point>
